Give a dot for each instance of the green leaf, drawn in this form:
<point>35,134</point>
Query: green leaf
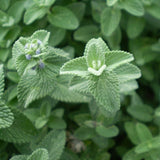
<point>6,20</point>
<point>85,33</point>
<point>107,132</point>
<point>116,58</point>
<point>33,13</point>
<point>142,112</point>
<point>131,155</point>
<point>78,8</point>
<point>105,90</point>
<point>134,7</point>
<point>57,35</point>
<point>18,132</point>
<point>42,3</point>
<point>148,145</point>
<point>6,116</point>
<point>127,72</point>
<point>4,4</point>
<point>84,133</point>
<point>110,19</point>
<point>128,86</point>
<point>63,93</point>
<point>130,128</point>
<point>41,35</point>
<point>56,123</point>
<point>39,154</point>
<point>77,66</point>
<point>135,26</point>
<point>143,132</point>
<point>63,17</point>
<point>54,142</point>
<point>16,10</point>
<point>19,157</point>
<point>36,84</point>
<point>111,2</point>
<point>1,81</point>
<point>154,10</point>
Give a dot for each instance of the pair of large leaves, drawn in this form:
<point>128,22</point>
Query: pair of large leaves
<point>105,88</point>
<point>39,82</point>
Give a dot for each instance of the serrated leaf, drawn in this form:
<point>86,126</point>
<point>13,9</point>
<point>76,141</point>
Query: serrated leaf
<point>6,116</point>
<point>128,86</point>
<point>127,72</point>
<point>134,7</point>
<point>36,84</point>
<point>63,93</point>
<point>41,35</point>
<point>77,66</point>
<point>18,132</point>
<point>19,157</point>
<point>148,145</point>
<point>79,84</point>
<point>143,132</point>
<point>110,19</point>
<point>107,132</point>
<point>63,17</point>
<point>33,13</point>
<point>39,154</point>
<point>117,58</point>
<point>135,26</point>
<point>105,90</point>
<point>54,142</point>
<point>1,81</point>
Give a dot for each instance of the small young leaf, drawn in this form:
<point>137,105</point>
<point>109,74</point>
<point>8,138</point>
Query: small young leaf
<point>107,132</point>
<point>63,17</point>
<point>19,157</point>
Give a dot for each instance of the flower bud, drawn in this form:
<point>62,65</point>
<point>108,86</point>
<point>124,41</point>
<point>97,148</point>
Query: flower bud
<point>41,65</point>
<point>38,51</point>
<point>28,56</point>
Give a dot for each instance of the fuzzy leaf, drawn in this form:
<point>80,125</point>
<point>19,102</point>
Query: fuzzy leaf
<point>63,93</point>
<point>127,72</point>
<point>105,90</point>
<point>1,81</point>
<point>18,132</point>
<point>117,58</point>
<point>54,142</point>
<point>110,19</point>
<point>6,116</point>
<point>76,66</point>
<point>39,154</point>
<point>63,17</point>
<point>19,157</point>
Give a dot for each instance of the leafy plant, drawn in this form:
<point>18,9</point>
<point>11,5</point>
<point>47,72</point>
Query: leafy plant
<point>79,80</point>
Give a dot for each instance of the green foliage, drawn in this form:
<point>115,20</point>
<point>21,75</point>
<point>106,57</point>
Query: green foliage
<point>79,80</point>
